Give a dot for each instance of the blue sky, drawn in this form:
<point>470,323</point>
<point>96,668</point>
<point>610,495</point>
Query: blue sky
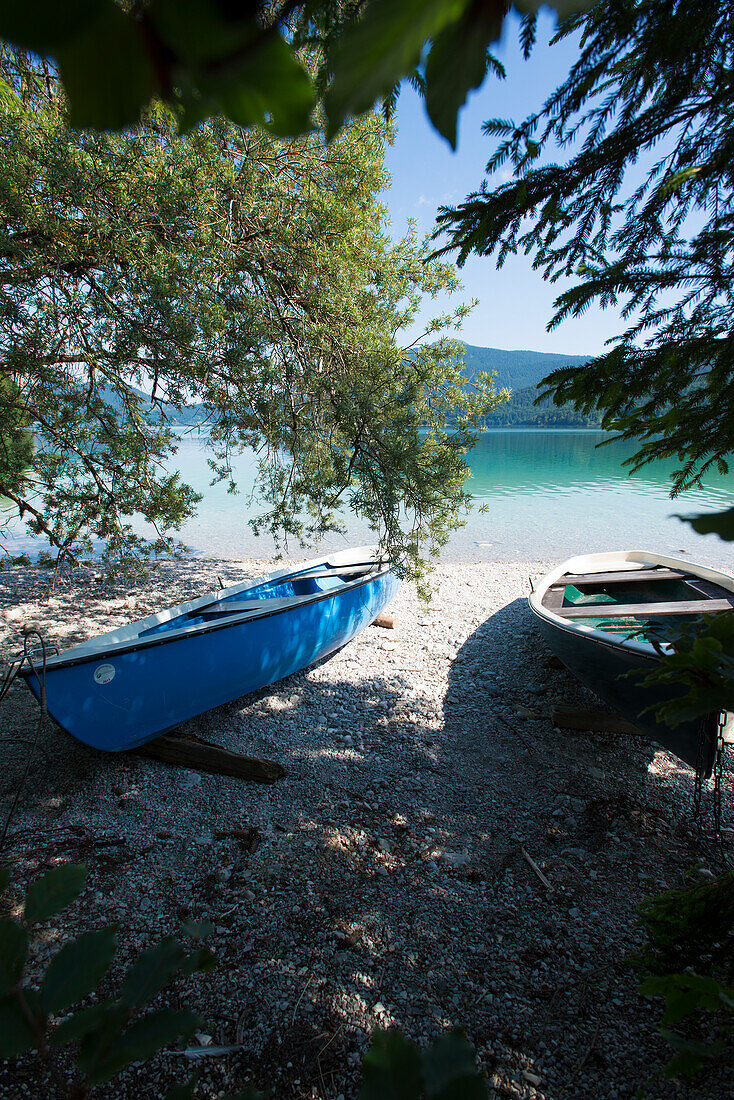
<point>515,303</point>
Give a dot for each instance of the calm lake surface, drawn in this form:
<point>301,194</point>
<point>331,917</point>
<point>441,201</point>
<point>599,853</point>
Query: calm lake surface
<point>550,494</point>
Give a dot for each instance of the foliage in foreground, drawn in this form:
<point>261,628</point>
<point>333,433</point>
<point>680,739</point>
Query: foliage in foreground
<point>689,963</point>
<point>228,268</point>
<point>241,60</point>
<point>112,1033</point>
<point>698,662</point>
<point>394,1068</point>
<point>651,85</point>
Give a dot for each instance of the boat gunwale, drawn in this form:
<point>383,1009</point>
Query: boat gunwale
<point>616,560</point>
<point>86,652</point>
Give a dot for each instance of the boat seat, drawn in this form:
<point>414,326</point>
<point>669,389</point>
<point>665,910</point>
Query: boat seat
<point>644,610</point>
<point>622,576</point>
<point>237,607</point>
<point>353,571</point>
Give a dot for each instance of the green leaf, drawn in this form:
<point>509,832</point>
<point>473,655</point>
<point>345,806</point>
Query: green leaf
<point>82,1023</point>
<point>182,1092</point>
<point>391,1068</point>
<point>4,879</point>
<point>450,1071</point>
<point>54,891</point>
<point>144,1039</point>
<point>689,1057</point>
<point>13,953</point>
<point>203,960</point>
<point>197,930</point>
<point>376,52</point>
<point>271,88</point>
<point>17,1034</point>
<point>97,1041</point>
<point>199,31</point>
<point>250,1093</point>
<point>78,968</point>
<point>107,72</point>
<point>43,25</point>
<point>713,523</point>
<point>458,62</point>
<point>151,971</point>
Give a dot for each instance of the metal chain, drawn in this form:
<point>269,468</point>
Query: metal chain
<point>27,657</point>
<point>718,773</point>
<point>698,780</point>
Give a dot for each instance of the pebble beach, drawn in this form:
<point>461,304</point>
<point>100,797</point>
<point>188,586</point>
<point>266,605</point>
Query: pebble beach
<point>437,854</point>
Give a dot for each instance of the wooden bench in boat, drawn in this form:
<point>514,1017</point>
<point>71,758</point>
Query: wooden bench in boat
<point>238,607</point>
<point>277,603</point>
<point>622,576</point>
<point>338,571</point>
<point>644,610</point>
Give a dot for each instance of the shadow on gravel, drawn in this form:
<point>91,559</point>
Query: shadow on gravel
<point>502,687</point>
<point>381,883</point>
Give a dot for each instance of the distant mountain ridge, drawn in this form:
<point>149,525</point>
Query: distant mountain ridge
<point>522,371</point>
<point>188,416</point>
<point>517,369</point>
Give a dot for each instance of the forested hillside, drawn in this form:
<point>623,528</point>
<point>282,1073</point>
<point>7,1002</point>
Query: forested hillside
<point>521,371</point>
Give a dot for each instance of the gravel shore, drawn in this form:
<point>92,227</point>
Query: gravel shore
<point>384,882</point>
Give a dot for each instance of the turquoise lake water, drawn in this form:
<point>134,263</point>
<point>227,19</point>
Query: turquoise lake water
<point>550,494</point>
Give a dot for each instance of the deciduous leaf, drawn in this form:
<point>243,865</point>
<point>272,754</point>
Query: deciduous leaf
<point>391,1068</point>
<point>107,72</point>
<point>98,1041</point>
<point>182,1092</point>
<point>145,1038</point>
<point>16,1032</point>
<point>202,960</point>
<point>458,62</point>
<point>375,53</point>
<point>13,953</point>
<point>82,1023</point>
<point>197,930</point>
<point>199,31</point>
<point>151,971</point>
<point>690,1056</point>
<point>54,891</point>
<point>450,1071</point>
<point>44,25</point>
<point>272,88</point>
<point>78,968</point>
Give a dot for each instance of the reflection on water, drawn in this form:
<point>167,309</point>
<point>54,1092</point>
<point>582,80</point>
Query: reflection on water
<point>549,494</point>
<point>535,461</point>
<point>554,493</point>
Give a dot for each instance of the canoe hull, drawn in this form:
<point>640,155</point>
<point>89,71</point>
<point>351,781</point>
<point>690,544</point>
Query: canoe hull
<point>122,699</point>
<point>603,669</point>
<point>601,659</point>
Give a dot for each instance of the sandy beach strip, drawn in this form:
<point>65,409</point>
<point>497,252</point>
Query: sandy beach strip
<point>385,881</point>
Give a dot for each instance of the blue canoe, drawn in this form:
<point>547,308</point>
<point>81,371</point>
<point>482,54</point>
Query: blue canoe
<point>124,688</point>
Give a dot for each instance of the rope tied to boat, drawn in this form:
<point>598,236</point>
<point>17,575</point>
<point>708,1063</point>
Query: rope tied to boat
<point>717,775</point>
<point>27,657</point>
